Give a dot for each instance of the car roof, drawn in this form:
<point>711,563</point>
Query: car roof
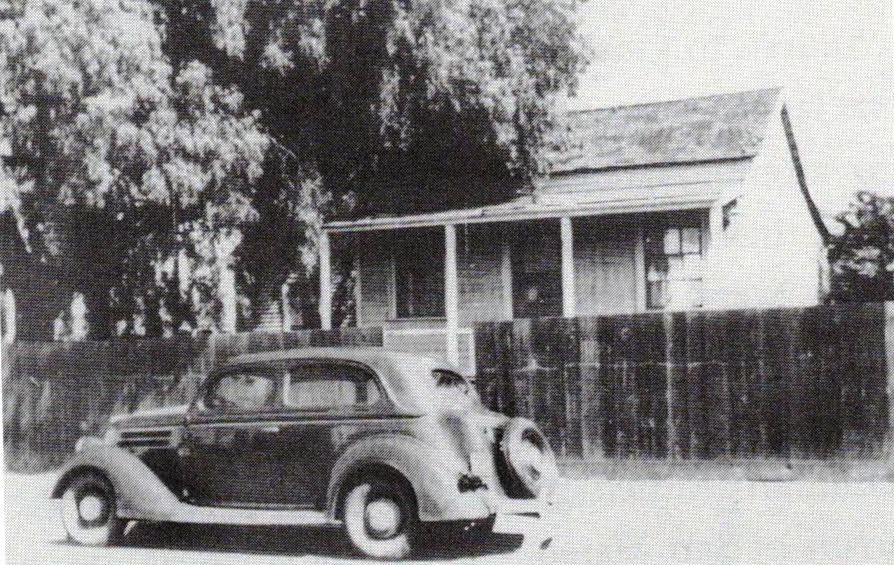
<point>365,355</point>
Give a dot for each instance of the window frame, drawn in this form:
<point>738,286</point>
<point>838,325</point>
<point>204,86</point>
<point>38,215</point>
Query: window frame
<point>382,402</point>
<point>270,372</point>
<point>660,227</point>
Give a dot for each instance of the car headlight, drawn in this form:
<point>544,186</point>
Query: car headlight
<point>87,441</point>
<point>112,437</point>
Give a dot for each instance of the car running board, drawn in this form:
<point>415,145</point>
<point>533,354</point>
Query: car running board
<point>191,514</point>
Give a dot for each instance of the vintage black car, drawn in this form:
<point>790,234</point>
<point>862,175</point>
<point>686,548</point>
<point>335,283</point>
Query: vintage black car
<point>381,442</point>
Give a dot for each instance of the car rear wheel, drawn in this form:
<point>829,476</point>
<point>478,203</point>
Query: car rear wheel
<point>380,519</point>
<point>88,511</point>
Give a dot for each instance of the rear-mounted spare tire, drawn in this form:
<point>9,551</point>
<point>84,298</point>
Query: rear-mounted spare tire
<point>529,459</point>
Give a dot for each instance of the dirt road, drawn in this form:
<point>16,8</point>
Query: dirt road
<point>598,521</point>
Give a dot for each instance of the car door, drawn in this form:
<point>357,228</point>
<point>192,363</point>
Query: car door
<point>326,403</point>
<point>227,456</point>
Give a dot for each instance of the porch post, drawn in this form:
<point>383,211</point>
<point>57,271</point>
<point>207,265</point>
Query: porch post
<point>506,272</point>
<point>451,293</point>
<point>569,292</point>
<point>325,282</point>
<point>9,315</point>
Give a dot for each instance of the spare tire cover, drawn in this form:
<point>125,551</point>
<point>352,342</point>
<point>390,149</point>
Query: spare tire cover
<point>530,457</point>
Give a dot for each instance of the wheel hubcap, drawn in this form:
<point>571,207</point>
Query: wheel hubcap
<point>382,518</point>
<point>90,508</point>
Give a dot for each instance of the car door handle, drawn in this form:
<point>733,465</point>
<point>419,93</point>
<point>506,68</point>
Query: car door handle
<point>270,429</point>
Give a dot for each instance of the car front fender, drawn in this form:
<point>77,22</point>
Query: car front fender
<point>139,493</point>
<point>431,475</point>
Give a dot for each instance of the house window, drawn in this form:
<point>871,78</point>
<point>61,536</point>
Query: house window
<point>419,273</point>
<point>674,249</point>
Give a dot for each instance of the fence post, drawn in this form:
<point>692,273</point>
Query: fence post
<point>671,359</point>
<point>589,370</point>
<point>889,368</point>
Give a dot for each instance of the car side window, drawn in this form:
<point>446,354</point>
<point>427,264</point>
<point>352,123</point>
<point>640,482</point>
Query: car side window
<point>328,386</point>
<point>243,391</point>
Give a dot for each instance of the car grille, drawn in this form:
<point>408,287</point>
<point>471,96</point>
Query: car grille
<point>145,439</point>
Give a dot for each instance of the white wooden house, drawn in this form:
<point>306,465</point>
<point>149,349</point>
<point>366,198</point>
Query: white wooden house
<point>697,203</point>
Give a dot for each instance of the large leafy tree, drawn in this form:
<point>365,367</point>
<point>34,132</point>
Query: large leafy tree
<point>128,173</point>
<point>861,255</point>
<point>150,137</point>
<point>382,106</point>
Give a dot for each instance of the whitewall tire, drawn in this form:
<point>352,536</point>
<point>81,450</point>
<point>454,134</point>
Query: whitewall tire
<point>88,511</point>
<point>380,519</point>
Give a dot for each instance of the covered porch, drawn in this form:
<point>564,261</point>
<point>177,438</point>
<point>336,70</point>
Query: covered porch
<point>428,280</point>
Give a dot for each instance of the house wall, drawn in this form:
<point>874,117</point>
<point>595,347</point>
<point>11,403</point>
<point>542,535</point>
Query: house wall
<point>605,264</point>
<point>480,283</point>
<point>375,277</point>
<point>770,253</point>
<point>480,257</point>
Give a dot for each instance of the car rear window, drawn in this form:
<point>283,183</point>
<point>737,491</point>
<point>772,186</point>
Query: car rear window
<point>453,389</point>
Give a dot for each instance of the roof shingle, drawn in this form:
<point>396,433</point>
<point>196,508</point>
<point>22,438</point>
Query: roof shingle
<point>724,126</point>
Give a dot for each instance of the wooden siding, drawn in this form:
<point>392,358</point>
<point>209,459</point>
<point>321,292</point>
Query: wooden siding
<point>375,277</point>
<point>430,343</point>
<point>605,265</point>
<point>481,294</point>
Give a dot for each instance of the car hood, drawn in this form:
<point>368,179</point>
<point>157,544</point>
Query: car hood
<point>164,416</point>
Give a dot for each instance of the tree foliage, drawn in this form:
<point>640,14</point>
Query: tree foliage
<point>399,105</point>
<point>149,135</point>
<point>123,163</point>
<point>862,254</point>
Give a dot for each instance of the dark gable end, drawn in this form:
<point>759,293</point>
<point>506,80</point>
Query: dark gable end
<point>710,128</point>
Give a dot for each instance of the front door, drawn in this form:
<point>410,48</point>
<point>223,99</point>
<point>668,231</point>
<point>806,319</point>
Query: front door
<point>227,456</point>
<point>269,437</point>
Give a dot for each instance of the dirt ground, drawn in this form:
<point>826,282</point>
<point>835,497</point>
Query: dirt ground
<point>596,521</point>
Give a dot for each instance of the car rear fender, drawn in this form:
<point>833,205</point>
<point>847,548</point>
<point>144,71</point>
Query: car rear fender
<point>139,493</point>
<point>433,478</point>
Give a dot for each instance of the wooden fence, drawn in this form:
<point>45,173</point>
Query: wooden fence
<point>55,392</point>
<point>794,383</point>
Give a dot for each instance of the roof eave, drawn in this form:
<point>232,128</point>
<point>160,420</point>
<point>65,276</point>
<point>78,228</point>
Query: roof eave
<point>483,215</point>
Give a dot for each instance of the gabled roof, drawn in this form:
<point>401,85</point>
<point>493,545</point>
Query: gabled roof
<point>710,128</point>
<point>645,157</point>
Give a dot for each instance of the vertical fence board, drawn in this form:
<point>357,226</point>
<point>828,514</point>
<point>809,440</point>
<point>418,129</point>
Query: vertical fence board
<point>695,375</point>
<point>573,389</point>
<point>889,374</point>
<point>588,363</point>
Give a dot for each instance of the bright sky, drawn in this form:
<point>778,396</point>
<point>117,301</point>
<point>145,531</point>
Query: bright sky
<point>833,58</point>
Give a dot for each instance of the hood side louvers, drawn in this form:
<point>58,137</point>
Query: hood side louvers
<point>145,438</point>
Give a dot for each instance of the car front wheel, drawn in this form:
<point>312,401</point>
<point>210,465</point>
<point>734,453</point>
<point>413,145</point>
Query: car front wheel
<point>88,511</point>
<point>380,519</point>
